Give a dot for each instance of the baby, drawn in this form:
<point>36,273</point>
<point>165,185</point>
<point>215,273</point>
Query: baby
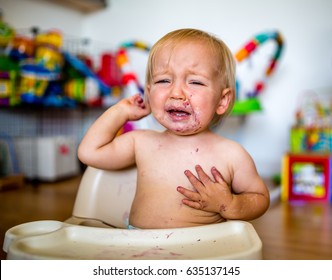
<point>186,175</point>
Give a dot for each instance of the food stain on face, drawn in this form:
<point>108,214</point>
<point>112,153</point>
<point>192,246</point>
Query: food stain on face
<point>190,122</point>
<point>190,128</point>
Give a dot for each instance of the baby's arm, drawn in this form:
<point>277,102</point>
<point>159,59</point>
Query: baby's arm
<point>100,147</point>
<point>246,200</point>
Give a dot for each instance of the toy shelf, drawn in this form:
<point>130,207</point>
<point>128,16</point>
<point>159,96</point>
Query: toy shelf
<point>85,6</point>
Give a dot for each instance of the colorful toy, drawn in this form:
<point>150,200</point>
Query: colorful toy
<point>7,87</point>
<point>55,98</point>
<point>9,71</point>
<point>304,139</point>
<point>111,75</point>
<point>52,37</point>
<point>312,131</point>
<point>34,82</point>
<point>48,53</point>
<point>7,33</point>
<point>250,103</point>
<point>75,89</point>
<point>40,63</point>
<point>21,47</point>
<point>81,67</point>
<point>109,71</point>
<point>129,78</point>
<point>50,57</point>
<point>306,177</point>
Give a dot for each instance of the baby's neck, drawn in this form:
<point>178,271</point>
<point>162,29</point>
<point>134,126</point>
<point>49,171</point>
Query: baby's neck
<point>175,136</point>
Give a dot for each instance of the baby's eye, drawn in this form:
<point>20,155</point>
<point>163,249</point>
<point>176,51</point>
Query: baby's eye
<point>197,83</point>
<point>163,81</point>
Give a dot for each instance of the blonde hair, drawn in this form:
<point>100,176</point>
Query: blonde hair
<point>227,66</point>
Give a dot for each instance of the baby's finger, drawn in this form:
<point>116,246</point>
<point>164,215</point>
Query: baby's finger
<point>195,182</point>
<point>192,195</point>
<point>203,177</point>
<point>139,101</point>
<point>192,204</point>
<point>217,175</point>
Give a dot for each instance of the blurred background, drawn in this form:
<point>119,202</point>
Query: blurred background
<point>63,62</point>
<point>94,28</point>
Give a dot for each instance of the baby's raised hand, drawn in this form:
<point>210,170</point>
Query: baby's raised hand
<point>211,195</point>
<point>135,107</point>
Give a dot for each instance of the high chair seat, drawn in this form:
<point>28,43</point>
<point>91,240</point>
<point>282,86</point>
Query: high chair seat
<point>104,198</point>
<point>98,230</point>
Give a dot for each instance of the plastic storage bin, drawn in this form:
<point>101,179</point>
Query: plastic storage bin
<point>47,158</point>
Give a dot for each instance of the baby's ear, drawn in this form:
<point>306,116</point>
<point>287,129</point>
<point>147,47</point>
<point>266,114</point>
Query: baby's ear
<point>224,101</point>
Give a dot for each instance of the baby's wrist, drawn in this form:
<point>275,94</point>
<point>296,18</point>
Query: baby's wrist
<point>225,209</point>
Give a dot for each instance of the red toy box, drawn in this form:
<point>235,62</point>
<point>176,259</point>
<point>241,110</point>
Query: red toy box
<point>306,177</point>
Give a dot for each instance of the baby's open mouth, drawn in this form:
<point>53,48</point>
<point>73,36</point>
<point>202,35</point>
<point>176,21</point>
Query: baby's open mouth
<point>178,112</point>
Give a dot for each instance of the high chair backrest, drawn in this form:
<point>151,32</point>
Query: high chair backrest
<point>106,196</point>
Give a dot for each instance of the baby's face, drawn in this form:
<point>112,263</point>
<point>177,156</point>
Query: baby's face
<point>186,87</point>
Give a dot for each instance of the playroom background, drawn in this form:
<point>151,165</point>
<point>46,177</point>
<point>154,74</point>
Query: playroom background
<point>63,62</point>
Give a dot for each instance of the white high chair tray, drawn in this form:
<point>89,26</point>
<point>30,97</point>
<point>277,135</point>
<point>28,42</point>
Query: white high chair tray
<point>57,240</point>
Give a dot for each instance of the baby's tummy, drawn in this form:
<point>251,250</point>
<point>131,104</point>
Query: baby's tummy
<point>168,212</point>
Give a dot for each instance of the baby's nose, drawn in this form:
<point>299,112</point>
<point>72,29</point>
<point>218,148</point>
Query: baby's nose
<point>177,92</point>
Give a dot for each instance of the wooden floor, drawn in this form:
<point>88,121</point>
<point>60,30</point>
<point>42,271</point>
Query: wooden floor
<point>44,201</point>
<point>297,231</point>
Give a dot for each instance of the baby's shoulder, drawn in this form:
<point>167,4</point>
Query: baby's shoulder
<point>227,143</point>
<point>144,135</point>
<point>231,147</point>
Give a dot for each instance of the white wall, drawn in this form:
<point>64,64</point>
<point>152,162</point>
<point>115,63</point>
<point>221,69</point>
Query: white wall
<point>306,26</point>
<point>23,14</point>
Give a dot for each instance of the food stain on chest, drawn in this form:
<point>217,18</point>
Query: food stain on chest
<point>195,151</point>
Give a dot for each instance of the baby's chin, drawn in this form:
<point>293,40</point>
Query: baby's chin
<point>185,130</point>
<point>184,127</point>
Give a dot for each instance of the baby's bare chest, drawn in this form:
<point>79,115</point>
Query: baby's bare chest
<point>168,165</point>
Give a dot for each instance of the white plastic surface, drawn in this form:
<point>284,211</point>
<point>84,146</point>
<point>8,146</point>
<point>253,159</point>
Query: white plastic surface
<point>106,196</point>
<point>56,240</point>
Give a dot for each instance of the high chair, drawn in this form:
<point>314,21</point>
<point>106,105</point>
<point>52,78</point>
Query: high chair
<point>98,230</point>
